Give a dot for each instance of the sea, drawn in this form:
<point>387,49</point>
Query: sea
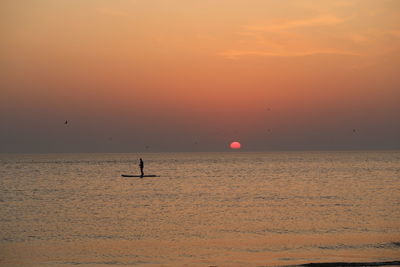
<point>205,209</point>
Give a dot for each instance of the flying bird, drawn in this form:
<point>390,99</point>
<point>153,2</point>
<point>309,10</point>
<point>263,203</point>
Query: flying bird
<point>66,122</point>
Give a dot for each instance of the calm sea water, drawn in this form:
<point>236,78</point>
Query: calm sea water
<point>220,209</point>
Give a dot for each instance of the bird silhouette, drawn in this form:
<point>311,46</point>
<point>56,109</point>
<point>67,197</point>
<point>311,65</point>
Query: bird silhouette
<point>66,122</point>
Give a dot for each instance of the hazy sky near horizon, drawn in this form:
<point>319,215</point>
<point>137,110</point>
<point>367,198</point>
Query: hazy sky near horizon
<point>178,75</point>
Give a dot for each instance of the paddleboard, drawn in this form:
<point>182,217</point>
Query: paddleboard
<point>128,175</point>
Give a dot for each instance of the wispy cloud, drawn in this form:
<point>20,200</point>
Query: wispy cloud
<point>324,20</point>
<point>235,54</point>
<point>290,38</point>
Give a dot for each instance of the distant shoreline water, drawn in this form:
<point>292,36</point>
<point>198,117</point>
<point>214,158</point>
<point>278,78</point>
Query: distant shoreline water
<point>210,152</point>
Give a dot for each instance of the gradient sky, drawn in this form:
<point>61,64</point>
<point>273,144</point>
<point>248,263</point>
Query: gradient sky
<point>179,75</point>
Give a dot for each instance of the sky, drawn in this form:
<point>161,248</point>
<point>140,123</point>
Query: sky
<point>179,75</point>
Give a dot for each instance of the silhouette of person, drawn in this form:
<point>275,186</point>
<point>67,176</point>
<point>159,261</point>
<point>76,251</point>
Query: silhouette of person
<point>141,166</point>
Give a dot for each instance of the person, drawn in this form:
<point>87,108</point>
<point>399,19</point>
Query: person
<point>141,166</point>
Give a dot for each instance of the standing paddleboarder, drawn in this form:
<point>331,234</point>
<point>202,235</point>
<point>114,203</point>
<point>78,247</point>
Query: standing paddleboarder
<point>141,166</point>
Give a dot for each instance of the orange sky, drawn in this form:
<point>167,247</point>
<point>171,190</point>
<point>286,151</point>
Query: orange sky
<point>182,75</point>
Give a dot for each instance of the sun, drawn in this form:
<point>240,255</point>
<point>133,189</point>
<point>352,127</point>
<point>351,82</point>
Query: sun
<point>235,145</point>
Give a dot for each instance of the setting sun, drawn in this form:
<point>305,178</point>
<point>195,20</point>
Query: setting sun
<point>235,145</point>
